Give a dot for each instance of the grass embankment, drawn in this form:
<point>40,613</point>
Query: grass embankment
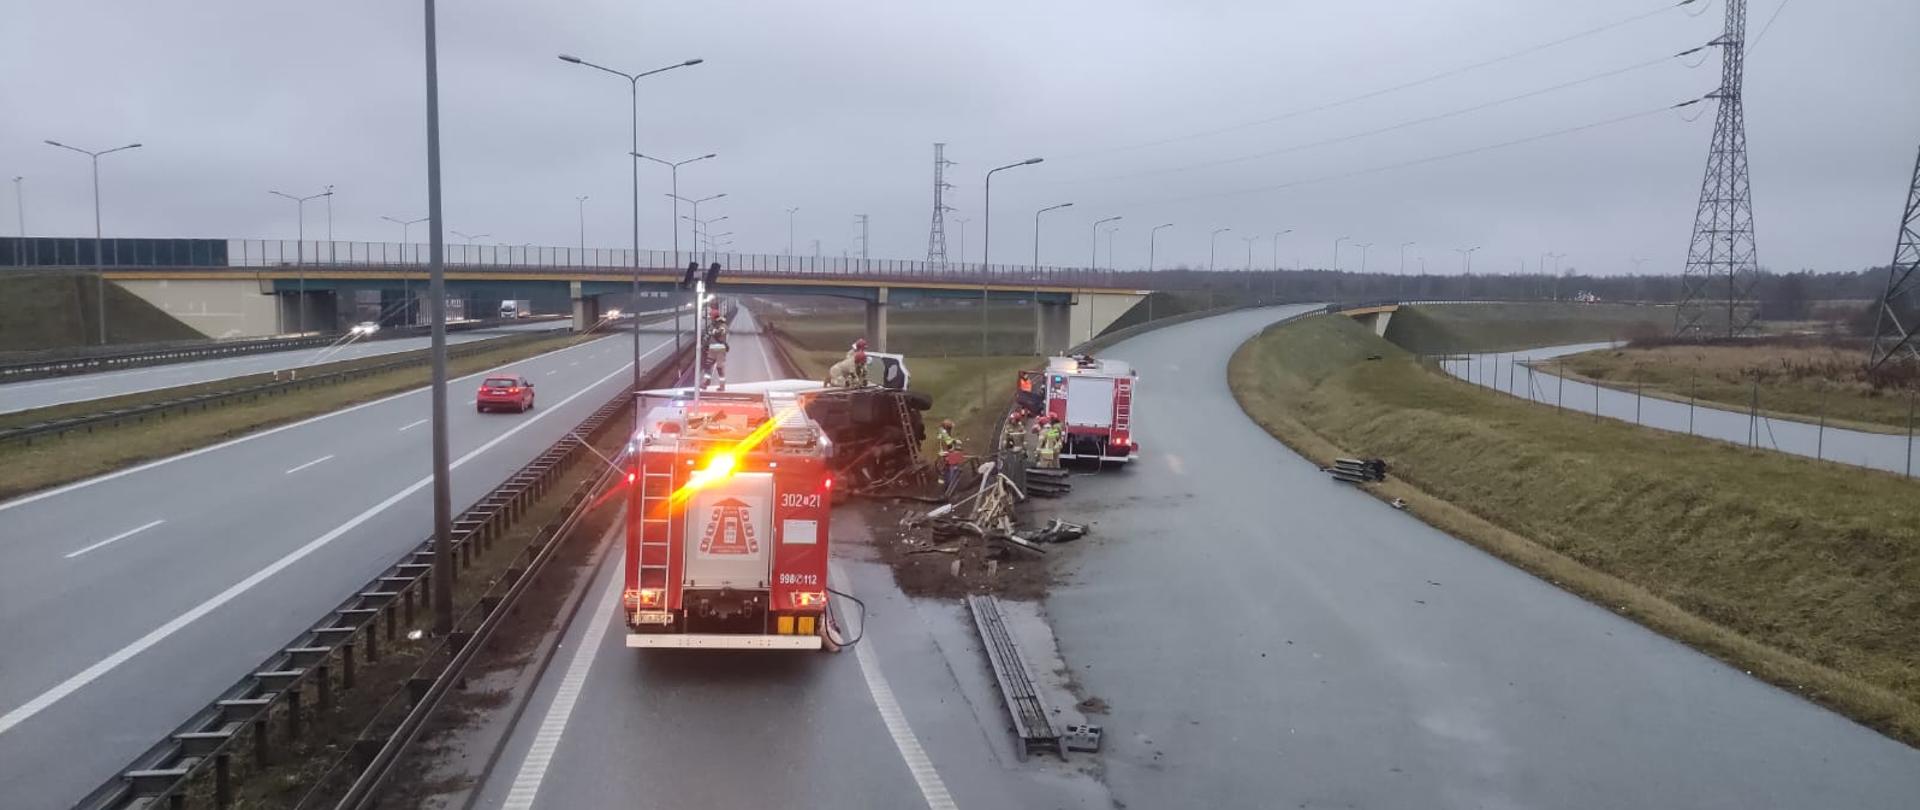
<point>1803,573</point>
<point>40,312</point>
<point>51,462</point>
<point>971,390</point>
<point>1794,379</point>
<point>1456,328</point>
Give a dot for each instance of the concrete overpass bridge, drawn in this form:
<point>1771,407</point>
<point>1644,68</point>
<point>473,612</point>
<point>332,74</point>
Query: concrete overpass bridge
<point>231,288</point>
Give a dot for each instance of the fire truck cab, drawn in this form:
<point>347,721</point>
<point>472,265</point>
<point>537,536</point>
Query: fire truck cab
<point>1093,399</point>
<point>729,548</point>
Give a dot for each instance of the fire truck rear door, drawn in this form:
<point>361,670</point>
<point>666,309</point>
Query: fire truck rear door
<point>1089,401</point>
<point>730,533</point>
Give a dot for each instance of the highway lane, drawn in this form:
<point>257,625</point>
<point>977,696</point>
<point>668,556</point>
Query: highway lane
<point>1509,372</point>
<point>140,594</point>
<point>612,727</point>
<point>22,396</point>
<point>1266,637</point>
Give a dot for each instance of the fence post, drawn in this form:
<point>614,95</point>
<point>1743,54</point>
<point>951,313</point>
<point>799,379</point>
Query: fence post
<point>1639,389</point>
<point>1911,395</point>
<point>1512,363</point>
<point>1753,415</point>
<point>1693,386</point>
<point>1820,442</point>
<point>1596,402</point>
<point>1560,391</point>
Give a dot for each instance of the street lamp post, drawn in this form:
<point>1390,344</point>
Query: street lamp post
<point>1094,263</point>
<point>1336,252</point>
<point>790,213</point>
<point>406,290</point>
<point>1403,256</point>
<point>695,219</point>
<point>330,253</point>
<point>963,239</point>
<point>1036,241</point>
<point>986,254</point>
<point>99,260</point>
<point>1212,242</point>
<point>1276,261</point>
<point>633,150</point>
<point>673,168</point>
<point>1153,237</point>
<point>20,204</point>
<point>1466,258</point>
<point>300,250</point>
<point>1363,254</point>
<point>581,201</point>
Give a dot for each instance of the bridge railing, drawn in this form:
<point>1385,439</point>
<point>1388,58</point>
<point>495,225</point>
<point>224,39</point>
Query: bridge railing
<point>523,258</point>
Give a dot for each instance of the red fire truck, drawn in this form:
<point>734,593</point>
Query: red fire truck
<point>1093,399</point>
<point>730,546</point>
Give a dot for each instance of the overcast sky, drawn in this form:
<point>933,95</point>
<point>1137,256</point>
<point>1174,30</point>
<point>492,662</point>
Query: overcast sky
<point>833,107</point>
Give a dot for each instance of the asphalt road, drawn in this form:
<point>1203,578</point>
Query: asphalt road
<point>127,601</point>
<point>1508,372</point>
<point>905,719</point>
<point>22,396</point>
<point>1266,637</point>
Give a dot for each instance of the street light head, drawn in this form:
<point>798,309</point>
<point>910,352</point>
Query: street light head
<point>1031,161</point>
<point>708,155</point>
<point>569,58</point>
<point>131,146</point>
<point>691,62</point>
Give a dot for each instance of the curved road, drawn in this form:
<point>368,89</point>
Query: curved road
<point>22,396</point>
<point>127,601</point>
<point>1267,637</point>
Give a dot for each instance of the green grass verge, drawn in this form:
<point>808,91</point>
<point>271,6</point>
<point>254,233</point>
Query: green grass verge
<point>1452,328</point>
<point>1793,380</point>
<point>39,312</point>
<point>1804,573</point>
<point>48,463</point>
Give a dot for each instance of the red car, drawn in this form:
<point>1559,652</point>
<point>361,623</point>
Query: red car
<point>504,392</point>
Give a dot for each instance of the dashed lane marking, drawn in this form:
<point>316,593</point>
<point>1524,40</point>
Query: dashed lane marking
<point>114,539</point>
<point>533,769</point>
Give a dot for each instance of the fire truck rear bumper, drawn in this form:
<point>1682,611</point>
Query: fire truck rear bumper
<point>721,641</point>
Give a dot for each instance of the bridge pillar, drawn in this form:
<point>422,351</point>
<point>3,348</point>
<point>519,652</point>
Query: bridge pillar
<point>586,308</point>
<point>877,322</point>
<point>1052,332</point>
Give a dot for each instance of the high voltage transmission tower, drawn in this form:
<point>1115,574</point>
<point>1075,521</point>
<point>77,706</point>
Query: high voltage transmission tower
<point>1722,254</point>
<point>937,235</point>
<point>1893,334</point>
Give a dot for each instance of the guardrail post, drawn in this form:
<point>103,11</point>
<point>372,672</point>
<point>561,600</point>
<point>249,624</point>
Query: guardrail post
<point>325,686</point>
<point>346,665</point>
<point>393,626</point>
<point>293,714</point>
<point>223,780</point>
<point>262,747</point>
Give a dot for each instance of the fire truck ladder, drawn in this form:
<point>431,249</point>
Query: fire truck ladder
<point>656,535</point>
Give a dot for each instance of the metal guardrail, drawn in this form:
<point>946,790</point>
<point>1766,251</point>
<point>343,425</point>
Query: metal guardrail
<point>88,361</point>
<point>1032,720</point>
<point>157,410</point>
<point>276,689</point>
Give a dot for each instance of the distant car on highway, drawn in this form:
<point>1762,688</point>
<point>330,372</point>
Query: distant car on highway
<point>503,392</point>
<point>365,328</point>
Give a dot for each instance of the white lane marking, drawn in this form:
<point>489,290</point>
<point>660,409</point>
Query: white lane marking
<point>533,769</point>
<point>309,464</point>
<point>411,425</point>
<point>114,539</point>
<point>73,684</point>
<point>553,372</point>
<point>918,763</point>
<point>27,499</point>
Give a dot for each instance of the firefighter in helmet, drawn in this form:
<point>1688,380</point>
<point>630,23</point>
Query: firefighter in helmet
<point>1014,435</point>
<point>716,352</point>
<point>1051,439</point>
<point>951,458</point>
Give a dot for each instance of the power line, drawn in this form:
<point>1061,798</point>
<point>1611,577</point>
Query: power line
<point>1429,159</point>
<point>1446,74</point>
<point>1768,27</point>
<point>1391,127</point>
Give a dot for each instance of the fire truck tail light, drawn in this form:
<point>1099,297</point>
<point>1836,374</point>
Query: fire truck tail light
<point>803,599</point>
<point>649,597</point>
<point>829,483</point>
<point>630,478</point>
